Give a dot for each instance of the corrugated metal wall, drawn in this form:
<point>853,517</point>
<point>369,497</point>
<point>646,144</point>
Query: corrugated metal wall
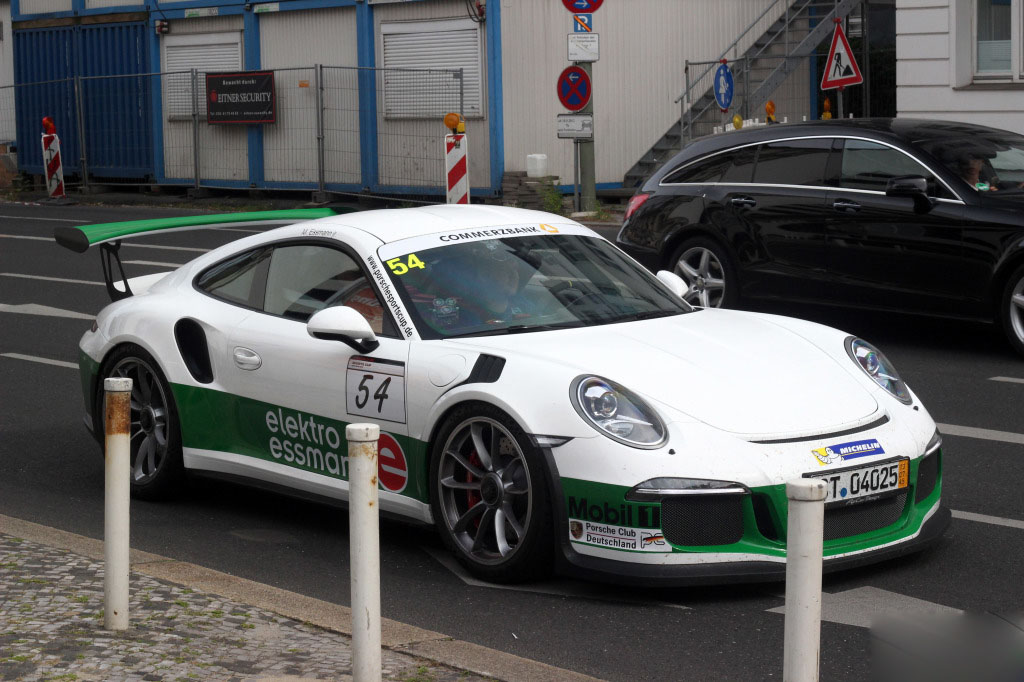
<point>478,129</point>
<point>302,39</point>
<point>45,54</point>
<point>643,46</point>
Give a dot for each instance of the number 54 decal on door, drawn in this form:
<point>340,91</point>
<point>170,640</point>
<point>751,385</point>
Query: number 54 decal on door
<point>376,389</point>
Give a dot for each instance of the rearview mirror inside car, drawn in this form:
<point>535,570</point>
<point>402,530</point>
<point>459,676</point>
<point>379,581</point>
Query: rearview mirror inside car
<point>341,323</point>
<point>674,282</point>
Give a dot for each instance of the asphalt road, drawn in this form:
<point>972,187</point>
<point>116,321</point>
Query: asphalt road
<point>51,472</point>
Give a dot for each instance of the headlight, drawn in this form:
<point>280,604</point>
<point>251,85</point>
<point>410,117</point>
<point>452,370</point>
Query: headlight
<point>617,413</point>
<point>878,367</point>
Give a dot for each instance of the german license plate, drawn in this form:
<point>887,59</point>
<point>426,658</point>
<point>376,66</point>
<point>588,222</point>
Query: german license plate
<point>861,484</point>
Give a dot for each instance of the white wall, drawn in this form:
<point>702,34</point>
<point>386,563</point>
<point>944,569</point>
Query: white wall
<point>303,39</point>
<point>643,46</point>
<point>223,149</point>
<point>934,68</point>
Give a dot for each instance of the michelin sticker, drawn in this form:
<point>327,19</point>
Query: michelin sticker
<point>842,452</point>
<point>618,537</point>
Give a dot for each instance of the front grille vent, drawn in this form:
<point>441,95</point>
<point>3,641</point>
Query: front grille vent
<point>696,520</point>
<point>842,522</point>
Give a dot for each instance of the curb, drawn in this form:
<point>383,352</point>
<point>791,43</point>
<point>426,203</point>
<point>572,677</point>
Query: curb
<point>400,637</point>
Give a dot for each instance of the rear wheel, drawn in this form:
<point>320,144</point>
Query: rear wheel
<point>489,495</point>
<point>155,438</point>
<point>708,272</point>
<point>1012,309</point>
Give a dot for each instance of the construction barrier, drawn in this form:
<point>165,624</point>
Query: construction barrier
<point>52,165</point>
<point>456,165</point>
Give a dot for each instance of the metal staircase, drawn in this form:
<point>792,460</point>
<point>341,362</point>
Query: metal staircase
<point>767,62</point>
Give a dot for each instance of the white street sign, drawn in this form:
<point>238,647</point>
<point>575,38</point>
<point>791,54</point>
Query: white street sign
<point>584,47</point>
<point>576,126</point>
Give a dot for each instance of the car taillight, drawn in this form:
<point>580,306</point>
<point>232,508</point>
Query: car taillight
<point>635,202</point>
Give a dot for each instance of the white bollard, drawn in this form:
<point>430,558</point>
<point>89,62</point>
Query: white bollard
<point>117,449</point>
<point>364,548</point>
<point>803,579</point>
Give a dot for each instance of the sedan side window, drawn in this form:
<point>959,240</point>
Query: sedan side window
<point>305,278</point>
<point>729,167</point>
<point>870,165</point>
<point>793,162</point>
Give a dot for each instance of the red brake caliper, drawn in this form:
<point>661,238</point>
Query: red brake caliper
<point>472,496</point>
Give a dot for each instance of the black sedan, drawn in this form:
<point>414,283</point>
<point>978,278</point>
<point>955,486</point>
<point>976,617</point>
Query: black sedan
<point>901,214</point>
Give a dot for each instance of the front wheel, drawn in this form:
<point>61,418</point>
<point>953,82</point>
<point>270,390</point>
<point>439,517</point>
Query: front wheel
<point>489,496</point>
<point>1012,309</point>
<point>154,437</point>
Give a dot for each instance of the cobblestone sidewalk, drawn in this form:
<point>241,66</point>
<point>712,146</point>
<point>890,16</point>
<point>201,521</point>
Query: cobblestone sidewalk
<point>51,628</point>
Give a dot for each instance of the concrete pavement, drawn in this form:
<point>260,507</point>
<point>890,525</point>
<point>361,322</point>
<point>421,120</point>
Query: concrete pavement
<point>188,622</point>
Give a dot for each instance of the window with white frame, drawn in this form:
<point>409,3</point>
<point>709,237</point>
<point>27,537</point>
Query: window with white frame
<point>419,60</point>
<point>205,52</point>
<point>997,28</point>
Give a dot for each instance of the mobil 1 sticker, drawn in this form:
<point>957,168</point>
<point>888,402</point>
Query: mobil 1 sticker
<point>375,388</point>
<point>618,537</point>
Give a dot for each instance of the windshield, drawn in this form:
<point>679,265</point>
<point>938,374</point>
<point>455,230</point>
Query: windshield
<point>986,159</point>
<point>524,283</point>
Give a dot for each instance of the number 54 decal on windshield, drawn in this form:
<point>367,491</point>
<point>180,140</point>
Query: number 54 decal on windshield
<point>399,268</point>
<point>375,388</point>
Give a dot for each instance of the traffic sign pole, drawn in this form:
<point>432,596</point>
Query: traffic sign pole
<point>588,183</point>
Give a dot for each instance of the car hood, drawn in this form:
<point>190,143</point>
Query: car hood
<point>738,372</point>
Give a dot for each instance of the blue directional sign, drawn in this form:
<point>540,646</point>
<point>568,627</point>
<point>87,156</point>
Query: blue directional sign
<point>582,23</point>
<point>723,87</point>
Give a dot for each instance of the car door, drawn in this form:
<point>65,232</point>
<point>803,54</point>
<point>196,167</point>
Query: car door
<point>777,213</point>
<point>294,394</point>
<point>881,253</point>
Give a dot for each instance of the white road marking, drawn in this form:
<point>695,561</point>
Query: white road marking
<point>985,518</point>
<point>45,361</point>
<point>50,279</point>
<point>863,606</point>
<point>36,309</point>
<point>558,588</point>
<point>983,434</point>
<point>25,236</point>
<point>55,220</point>
<point>153,262</point>
<point>1010,380</point>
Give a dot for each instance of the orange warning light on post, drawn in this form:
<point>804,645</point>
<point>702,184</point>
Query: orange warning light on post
<point>48,127</point>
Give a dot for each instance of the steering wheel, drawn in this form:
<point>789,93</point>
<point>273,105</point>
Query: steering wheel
<point>578,296</point>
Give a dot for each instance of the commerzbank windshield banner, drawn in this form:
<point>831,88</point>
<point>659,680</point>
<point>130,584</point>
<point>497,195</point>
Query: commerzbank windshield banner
<point>246,97</point>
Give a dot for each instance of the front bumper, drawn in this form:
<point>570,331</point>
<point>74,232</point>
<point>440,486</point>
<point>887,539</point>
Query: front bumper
<point>675,575</point>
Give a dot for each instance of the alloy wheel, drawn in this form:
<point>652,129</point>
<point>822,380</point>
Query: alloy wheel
<point>485,490</point>
<point>1016,312</point>
<point>704,274</point>
<point>149,419</point>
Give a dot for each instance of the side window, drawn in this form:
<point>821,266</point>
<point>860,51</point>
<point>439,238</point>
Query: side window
<point>793,162</point>
<point>305,278</point>
<point>236,279</point>
<point>869,165</point>
<point>734,166</point>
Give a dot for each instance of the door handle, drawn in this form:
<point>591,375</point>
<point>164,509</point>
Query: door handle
<point>843,205</point>
<point>743,201</point>
<point>247,359</point>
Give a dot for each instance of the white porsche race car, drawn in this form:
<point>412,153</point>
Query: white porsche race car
<point>544,401</point>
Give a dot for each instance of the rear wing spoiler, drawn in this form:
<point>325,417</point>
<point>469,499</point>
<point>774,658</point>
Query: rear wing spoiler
<point>108,236</point>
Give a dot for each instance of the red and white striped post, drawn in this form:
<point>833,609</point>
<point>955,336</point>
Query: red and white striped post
<point>456,160</point>
<point>51,160</point>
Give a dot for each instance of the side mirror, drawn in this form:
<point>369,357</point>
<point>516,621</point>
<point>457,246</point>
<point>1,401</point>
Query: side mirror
<point>674,282</point>
<point>341,323</point>
<point>913,186</point>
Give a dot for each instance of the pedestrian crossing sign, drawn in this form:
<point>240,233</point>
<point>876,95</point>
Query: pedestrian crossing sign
<point>840,68</point>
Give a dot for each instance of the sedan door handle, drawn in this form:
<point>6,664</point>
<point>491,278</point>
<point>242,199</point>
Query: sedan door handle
<point>843,205</point>
<point>247,359</point>
<point>743,201</point>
